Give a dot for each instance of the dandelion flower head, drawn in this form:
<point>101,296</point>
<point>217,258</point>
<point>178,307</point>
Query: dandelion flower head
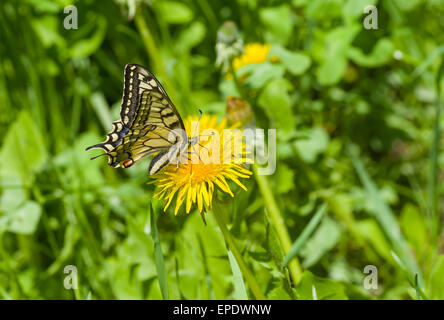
<point>195,182</point>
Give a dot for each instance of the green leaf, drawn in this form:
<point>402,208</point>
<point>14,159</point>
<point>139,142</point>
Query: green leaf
<point>275,97</point>
<point>381,54</point>
<point>173,12</point>
<point>47,6</point>
<point>317,142</point>
<point>371,231</point>
<point>279,292</point>
<point>407,5</point>
<point>284,181</point>
<point>23,149</point>
<point>86,47</point>
<point>437,279</point>
<point>296,63</point>
<point>190,37</point>
<point>331,71</point>
<point>24,220</point>
<point>13,195</point>
<point>278,23</point>
<point>414,227</point>
<point>260,73</point>
<point>46,29</point>
<point>324,239</point>
<point>158,256</point>
<point>324,10</point>
<point>240,293</point>
<point>273,244</point>
<point>324,289</point>
<point>355,8</point>
<point>334,57</point>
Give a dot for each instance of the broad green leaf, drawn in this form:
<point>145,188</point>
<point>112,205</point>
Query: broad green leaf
<point>324,10</point>
<point>407,5</point>
<point>331,71</point>
<point>279,292</point>
<point>86,47</point>
<point>325,289</point>
<point>173,12</point>
<point>355,8</point>
<point>274,97</point>
<point>382,54</point>
<point>190,37</point>
<point>79,169</point>
<point>23,149</point>
<point>261,73</point>
<point>228,88</point>
<point>295,62</point>
<point>46,6</point>
<point>414,227</point>
<point>46,29</point>
<point>284,179</point>
<point>13,194</point>
<point>336,45</point>
<point>371,231</point>
<point>24,220</point>
<point>278,23</point>
<point>437,279</point>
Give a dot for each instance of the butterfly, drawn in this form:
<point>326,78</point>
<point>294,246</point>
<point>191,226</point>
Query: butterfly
<point>149,123</point>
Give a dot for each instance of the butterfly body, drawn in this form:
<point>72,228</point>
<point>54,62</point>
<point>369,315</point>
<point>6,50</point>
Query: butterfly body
<point>149,123</point>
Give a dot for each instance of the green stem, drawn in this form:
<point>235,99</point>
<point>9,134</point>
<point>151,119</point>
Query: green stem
<point>278,223</point>
<point>220,219</point>
<point>270,203</point>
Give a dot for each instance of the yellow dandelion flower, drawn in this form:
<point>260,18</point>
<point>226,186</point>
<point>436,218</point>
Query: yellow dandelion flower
<point>195,182</point>
<point>253,53</point>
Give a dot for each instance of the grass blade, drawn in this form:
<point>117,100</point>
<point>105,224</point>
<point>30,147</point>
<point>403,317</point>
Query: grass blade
<point>240,293</point>
<point>385,217</point>
<point>158,257</point>
<point>206,269</point>
<point>432,194</point>
<point>308,230</point>
<point>414,282</point>
<point>101,108</point>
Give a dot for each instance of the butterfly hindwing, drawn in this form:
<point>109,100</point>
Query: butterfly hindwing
<point>113,138</point>
<point>147,122</point>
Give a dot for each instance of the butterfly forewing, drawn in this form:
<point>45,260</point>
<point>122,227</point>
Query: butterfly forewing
<point>147,122</point>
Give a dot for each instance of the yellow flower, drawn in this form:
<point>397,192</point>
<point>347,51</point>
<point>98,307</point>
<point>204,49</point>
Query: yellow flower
<point>254,53</point>
<point>196,180</point>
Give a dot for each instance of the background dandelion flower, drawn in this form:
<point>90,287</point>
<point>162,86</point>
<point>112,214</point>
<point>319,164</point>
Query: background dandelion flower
<point>253,53</point>
<point>195,182</point>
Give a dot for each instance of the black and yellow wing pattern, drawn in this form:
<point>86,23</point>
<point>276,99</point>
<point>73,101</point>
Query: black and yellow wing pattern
<point>147,122</point>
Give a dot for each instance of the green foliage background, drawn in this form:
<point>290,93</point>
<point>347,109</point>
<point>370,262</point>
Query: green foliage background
<point>357,114</point>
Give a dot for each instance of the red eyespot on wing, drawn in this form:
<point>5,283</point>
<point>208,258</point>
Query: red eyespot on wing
<point>128,163</point>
